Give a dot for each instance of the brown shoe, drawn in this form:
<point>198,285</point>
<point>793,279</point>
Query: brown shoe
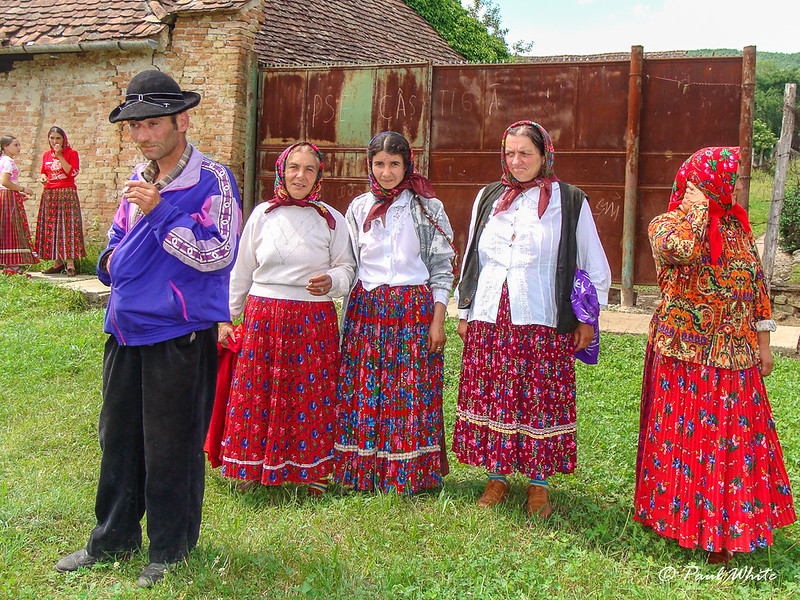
<point>496,493</point>
<point>539,501</point>
<point>55,269</point>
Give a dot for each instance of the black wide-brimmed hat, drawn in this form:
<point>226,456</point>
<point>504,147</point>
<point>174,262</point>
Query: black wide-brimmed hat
<point>153,94</point>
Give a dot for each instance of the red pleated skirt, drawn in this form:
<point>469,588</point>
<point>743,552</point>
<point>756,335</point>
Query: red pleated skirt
<point>280,419</point>
<point>516,399</point>
<point>710,471</point>
<point>59,227</point>
<point>16,247</point>
<point>390,432</point>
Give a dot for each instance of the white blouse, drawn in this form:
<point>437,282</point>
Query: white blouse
<point>519,248</point>
<point>281,250</point>
<point>389,254</point>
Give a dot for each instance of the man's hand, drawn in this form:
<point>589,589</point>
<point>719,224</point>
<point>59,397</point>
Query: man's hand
<point>144,195</point>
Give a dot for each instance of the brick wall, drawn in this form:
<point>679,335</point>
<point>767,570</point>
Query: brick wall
<point>207,53</point>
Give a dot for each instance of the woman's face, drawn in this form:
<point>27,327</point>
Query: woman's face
<point>302,168</point>
<point>388,169</point>
<point>56,138</point>
<point>13,149</point>
<point>523,158</point>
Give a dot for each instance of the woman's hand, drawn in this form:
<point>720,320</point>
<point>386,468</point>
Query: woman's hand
<point>582,336</point>
<point>57,149</point>
<point>691,196</point>
<point>320,285</point>
<point>225,333</point>
<point>436,338</point>
<point>26,191</point>
<point>462,329</point>
<point>436,335</point>
<point>766,361</point>
<point>42,178</point>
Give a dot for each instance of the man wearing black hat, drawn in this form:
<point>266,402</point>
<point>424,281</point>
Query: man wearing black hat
<point>171,247</point>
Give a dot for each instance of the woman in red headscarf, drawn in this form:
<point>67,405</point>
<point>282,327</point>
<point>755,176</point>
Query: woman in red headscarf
<point>59,227</point>
<point>294,258</point>
<point>390,434</point>
<point>709,471</point>
<point>529,234</point>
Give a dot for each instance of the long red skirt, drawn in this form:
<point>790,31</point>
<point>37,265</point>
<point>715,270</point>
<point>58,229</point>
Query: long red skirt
<point>516,398</point>
<point>710,470</point>
<point>16,247</point>
<point>59,227</point>
<point>390,433</point>
<point>281,410</point>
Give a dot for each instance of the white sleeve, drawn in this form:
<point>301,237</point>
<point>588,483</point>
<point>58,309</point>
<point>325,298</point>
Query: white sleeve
<point>245,265</point>
<point>343,263</point>
<point>463,313</point>
<point>591,256</point>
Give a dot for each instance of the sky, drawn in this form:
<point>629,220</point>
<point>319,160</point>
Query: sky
<point>598,26</point>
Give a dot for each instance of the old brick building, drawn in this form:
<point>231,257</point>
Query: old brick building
<point>67,64</point>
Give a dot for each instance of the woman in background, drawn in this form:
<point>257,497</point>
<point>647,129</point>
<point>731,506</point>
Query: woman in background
<point>16,248</point>
<point>59,229</point>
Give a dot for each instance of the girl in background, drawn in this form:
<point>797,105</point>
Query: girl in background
<point>16,248</point>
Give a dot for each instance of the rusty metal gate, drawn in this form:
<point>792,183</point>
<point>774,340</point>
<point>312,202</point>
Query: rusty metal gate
<point>608,120</point>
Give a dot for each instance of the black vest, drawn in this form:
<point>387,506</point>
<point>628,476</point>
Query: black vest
<point>571,201</point>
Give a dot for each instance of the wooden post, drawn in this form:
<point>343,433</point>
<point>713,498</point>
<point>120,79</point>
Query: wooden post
<point>746,122</point>
<point>779,183</point>
<point>631,200</point>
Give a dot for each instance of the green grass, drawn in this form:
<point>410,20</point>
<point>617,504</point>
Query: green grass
<point>760,199</point>
<point>276,543</point>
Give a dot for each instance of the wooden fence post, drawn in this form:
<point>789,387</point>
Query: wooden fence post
<point>779,183</point>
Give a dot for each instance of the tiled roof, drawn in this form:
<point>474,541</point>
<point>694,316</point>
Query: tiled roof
<point>322,31</point>
<point>46,22</point>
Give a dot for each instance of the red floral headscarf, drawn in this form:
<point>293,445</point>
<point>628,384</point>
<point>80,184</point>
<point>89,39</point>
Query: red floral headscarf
<point>713,171</point>
<point>282,196</point>
<point>544,180</point>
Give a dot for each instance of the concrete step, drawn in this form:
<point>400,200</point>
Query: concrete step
<point>95,293</point>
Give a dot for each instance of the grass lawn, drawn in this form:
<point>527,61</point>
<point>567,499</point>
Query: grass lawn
<point>277,543</point>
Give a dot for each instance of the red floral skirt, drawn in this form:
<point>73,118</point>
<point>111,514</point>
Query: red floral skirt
<point>390,433</point>
<point>16,247</point>
<point>59,228</point>
<point>710,470</point>
<point>280,418</point>
<point>516,398</point>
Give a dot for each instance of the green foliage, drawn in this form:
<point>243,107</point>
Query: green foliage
<point>277,543</point>
<point>763,139</point>
<point>770,83</point>
<point>760,199</point>
<point>465,33</point>
<point>789,227</point>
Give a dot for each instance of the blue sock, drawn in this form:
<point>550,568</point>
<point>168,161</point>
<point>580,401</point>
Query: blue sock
<point>497,477</point>
<point>542,482</point>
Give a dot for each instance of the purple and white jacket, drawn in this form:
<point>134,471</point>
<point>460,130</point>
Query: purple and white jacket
<point>170,269</point>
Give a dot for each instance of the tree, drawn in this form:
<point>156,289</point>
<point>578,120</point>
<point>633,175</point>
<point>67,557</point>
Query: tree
<point>763,140</point>
<point>488,13</point>
<point>770,83</point>
<point>464,32</point>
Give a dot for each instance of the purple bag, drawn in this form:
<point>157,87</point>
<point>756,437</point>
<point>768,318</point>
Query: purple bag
<point>587,310</point>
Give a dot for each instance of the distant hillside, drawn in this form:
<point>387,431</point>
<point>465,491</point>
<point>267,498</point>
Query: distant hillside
<point>778,59</point>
